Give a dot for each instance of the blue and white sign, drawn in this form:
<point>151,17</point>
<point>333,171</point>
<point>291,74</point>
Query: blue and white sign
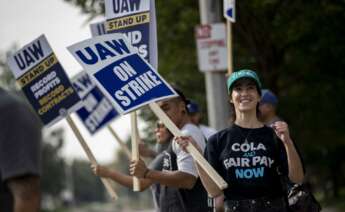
<point>44,81</point>
<point>122,75</point>
<point>98,110</point>
<point>98,28</point>
<point>136,19</point>
<point>229,10</point>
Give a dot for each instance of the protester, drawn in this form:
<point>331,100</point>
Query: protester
<point>249,155</point>
<point>268,107</point>
<point>20,149</point>
<point>160,146</point>
<point>196,117</point>
<point>180,187</point>
<point>163,140</point>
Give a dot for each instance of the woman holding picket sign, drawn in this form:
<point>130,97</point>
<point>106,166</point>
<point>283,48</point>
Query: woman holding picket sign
<point>248,155</point>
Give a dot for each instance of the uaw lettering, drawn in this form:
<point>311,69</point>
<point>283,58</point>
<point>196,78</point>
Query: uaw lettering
<point>121,74</point>
<point>90,55</point>
<point>29,56</point>
<point>43,81</point>
<point>97,110</point>
<point>119,8</point>
<point>249,164</point>
<point>131,18</point>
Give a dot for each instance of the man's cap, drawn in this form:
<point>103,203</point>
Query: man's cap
<point>245,73</point>
<point>181,95</point>
<point>268,97</point>
<point>193,107</point>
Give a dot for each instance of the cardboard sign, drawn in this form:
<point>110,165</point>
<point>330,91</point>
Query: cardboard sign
<point>98,28</point>
<point>122,75</point>
<point>211,46</point>
<point>136,19</point>
<point>44,81</point>
<point>98,110</point>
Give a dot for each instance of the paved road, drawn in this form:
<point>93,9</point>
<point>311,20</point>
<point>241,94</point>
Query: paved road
<point>106,208</point>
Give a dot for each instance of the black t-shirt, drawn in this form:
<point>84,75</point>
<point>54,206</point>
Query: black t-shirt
<point>156,164</point>
<point>247,159</point>
<point>181,200</point>
<point>20,144</point>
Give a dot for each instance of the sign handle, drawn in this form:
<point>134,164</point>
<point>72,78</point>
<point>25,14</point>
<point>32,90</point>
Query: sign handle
<point>120,141</point>
<point>190,148</point>
<point>229,45</point>
<point>91,157</point>
<point>135,149</point>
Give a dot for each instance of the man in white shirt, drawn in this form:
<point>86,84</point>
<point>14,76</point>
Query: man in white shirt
<point>196,117</point>
<point>181,186</point>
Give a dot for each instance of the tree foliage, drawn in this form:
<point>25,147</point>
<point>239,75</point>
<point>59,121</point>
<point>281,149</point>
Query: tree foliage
<point>87,187</point>
<point>53,165</point>
<point>298,49</point>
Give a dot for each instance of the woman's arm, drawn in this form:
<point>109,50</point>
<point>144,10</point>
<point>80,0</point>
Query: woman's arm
<point>120,178</point>
<point>296,173</point>
<point>210,186</point>
<point>176,179</point>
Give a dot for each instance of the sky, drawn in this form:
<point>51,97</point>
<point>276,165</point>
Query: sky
<point>23,21</point>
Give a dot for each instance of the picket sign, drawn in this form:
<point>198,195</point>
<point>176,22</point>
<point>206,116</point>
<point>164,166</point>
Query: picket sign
<point>229,14</point>
<point>120,141</point>
<point>91,157</point>
<point>143,37</point>
<point>135,149</point>
<point>190,148</point>
<point>229,46</point>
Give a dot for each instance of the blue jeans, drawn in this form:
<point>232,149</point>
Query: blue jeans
<point>256,205</point>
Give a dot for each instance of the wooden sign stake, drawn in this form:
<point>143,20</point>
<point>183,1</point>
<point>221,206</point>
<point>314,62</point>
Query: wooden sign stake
<point>135,149</point>
<point>190,148</point>
<point>91,157</point>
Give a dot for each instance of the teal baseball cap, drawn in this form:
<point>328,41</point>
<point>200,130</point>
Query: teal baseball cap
<point>245,73</point>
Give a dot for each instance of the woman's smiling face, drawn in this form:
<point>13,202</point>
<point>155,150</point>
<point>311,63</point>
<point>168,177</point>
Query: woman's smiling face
<point>244,95</point>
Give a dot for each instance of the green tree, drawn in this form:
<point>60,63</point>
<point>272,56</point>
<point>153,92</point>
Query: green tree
<point>7,80</point>
<point>298,49</point>
<point>87,187</point>
<point>53,165</point>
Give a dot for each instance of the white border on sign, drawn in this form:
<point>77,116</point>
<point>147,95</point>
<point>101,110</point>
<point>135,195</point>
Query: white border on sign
<point>47,50</point>
<point>72,109</point>
<point>118,107</point>
<point>217,33</point>
<point>91,69</point>
<point>110,13</point>
<point>75,79</point>
<point>229,4</point>
<point>94,28</point>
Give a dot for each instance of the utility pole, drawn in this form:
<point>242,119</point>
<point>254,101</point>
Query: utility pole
<point>217,96</point>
